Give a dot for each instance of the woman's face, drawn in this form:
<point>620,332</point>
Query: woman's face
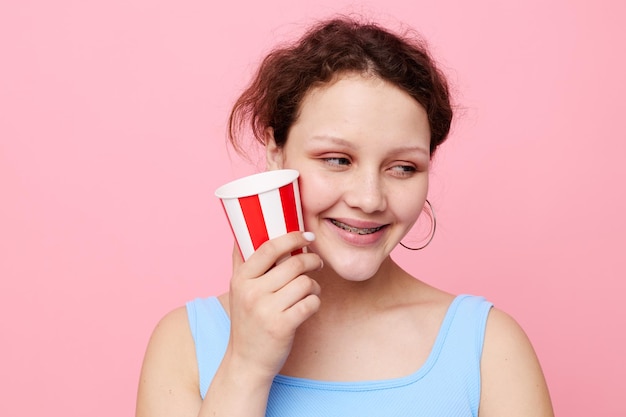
<point>362,148</point>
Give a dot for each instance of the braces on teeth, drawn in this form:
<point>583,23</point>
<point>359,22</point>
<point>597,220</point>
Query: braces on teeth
<point>356,229</point>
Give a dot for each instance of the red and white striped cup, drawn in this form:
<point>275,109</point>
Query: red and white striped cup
<point>262,206</point>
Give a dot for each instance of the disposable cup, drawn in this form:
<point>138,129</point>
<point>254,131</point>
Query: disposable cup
<point>262,206</point>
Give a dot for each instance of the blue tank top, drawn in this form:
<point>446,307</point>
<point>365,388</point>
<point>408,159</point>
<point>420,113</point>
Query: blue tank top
<point>447,384</point>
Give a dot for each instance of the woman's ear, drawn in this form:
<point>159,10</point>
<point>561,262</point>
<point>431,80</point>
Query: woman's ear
<point>273,153</point>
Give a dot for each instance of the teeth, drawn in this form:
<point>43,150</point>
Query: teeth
<point>356,229</point>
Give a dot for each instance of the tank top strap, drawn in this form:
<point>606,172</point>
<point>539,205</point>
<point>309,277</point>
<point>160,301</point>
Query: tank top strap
<point>461,348</point>
<point>469,322</point>
<point>210,328</point>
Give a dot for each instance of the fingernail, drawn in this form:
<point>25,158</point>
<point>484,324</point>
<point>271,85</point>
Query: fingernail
<point>310,236</point>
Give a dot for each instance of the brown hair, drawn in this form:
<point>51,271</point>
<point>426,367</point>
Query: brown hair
<point>331,47</point>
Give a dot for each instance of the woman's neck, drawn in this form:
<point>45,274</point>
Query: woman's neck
<point>390,286</point>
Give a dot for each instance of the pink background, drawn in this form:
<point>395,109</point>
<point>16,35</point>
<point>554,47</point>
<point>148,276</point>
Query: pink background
<point>112,117</point>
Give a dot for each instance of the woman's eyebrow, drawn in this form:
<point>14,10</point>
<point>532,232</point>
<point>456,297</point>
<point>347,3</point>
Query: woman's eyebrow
<point>413,149</point>
<point>348,144</point>
<point>334,139</point>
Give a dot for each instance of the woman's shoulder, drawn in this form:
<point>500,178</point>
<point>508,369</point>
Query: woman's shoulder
<point>175,321</point>
<point>505,338</point>
<point>171,338</point>
<point>512,380</point>
<point>169,367</point>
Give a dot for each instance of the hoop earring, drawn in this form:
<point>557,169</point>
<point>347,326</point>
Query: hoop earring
<point>433,219</point>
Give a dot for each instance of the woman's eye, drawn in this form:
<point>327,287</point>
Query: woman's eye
<point>404,169</point>
<point>337,161</point>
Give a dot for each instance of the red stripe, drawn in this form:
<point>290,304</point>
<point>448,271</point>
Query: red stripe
<point>253,215</point>
<point>288,201</point>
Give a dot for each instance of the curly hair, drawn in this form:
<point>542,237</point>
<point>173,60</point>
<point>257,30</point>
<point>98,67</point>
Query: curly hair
<point>329,48</point>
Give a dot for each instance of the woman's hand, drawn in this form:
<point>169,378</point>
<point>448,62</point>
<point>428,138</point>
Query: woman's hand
<point>270,296</point>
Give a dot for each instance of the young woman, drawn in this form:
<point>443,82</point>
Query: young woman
<point>342,330</point>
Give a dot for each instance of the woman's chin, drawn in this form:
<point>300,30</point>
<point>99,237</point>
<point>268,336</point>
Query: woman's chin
<point>354,271</point>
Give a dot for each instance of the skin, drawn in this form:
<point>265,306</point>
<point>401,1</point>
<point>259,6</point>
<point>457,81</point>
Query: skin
<point>361,146</point>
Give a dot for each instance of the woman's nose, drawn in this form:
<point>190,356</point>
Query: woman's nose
<point>366,192</point>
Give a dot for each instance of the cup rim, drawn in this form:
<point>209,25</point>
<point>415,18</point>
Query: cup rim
<point>257,183</point>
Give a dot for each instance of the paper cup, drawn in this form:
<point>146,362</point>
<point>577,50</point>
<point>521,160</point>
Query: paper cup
<point>262,206</point>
